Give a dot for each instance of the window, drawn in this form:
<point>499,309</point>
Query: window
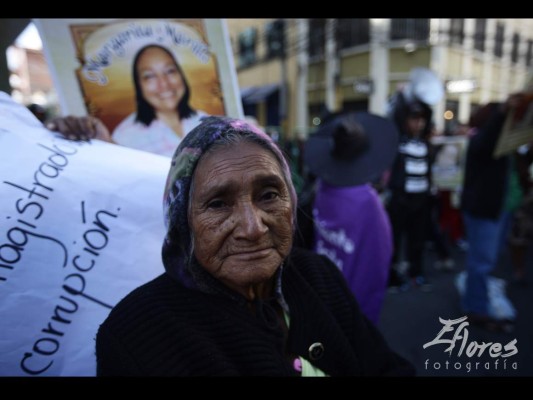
<point>516,46</point>
<point>409,28</point>
<point>457,30</point>
<point>352,32</point>
<point>529,53</point>
<point>275,35</point>
<point>247,42</point>
<point>498,41</point>
<point>317,37</point>
<point>355,105</point>
<point>479,35</point>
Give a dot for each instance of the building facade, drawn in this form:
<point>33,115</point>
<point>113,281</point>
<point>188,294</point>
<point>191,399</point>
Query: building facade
<point>291,71</point>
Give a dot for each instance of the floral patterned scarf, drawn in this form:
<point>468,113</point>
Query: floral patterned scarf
<point>178,257</point>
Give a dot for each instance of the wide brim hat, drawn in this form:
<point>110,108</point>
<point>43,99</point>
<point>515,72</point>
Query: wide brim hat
<point>368,166</point>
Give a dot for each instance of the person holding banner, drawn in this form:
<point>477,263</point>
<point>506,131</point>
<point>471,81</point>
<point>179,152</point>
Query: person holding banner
<point>488,190</point>
<point>236,297</point>
<point>163,114</point>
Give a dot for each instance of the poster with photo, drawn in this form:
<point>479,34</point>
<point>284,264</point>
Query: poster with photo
<point>146,79</point>
<point>450,157</point>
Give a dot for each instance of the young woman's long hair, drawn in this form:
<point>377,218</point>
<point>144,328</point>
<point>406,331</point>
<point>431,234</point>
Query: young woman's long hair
<point>145,112</point>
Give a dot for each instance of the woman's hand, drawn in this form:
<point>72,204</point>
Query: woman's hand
<point>80,128</point>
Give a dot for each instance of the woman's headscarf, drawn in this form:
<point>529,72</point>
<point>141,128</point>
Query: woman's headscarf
<point>178,259</point>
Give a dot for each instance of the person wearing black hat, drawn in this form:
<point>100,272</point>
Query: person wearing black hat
<point>347,153</point>
<point>409,187</point>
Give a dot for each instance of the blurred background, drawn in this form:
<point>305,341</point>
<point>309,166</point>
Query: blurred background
<point>291,70</point>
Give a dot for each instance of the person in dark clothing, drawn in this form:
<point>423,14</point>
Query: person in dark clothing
<point>348,152</point>
<point>484,194</point>
<point>409,187</point>
<point>520,233</point>
<point>237,298</point>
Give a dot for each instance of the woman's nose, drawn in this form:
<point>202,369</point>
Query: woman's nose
<point>162,82</point>
<point>250,224</point>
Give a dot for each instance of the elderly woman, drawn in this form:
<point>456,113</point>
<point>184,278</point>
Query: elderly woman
<point>236,298</point>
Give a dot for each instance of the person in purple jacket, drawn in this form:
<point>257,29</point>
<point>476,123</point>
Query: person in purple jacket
<point>347,153</point>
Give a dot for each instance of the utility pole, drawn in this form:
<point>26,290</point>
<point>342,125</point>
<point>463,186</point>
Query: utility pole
<point>302,114</point>
<point>283,93</point>
<point>439,40</point>
<point>331,66</point>
<point>379,65</point>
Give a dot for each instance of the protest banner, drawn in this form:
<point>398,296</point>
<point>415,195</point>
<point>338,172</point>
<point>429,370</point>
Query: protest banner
<point>450,157</point>
<point>517,130</point>
<point>81,226</point>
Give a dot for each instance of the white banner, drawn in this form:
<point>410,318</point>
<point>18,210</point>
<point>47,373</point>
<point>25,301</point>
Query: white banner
<point>81,225</point>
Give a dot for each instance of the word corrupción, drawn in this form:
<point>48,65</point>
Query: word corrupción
<point>39,360</point>
<point>94,239</point>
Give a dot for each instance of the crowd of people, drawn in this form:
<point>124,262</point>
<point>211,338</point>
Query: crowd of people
<point>488,213</point>
<point>241,294</point>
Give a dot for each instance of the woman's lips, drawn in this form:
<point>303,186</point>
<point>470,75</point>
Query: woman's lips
<point>252,254</point>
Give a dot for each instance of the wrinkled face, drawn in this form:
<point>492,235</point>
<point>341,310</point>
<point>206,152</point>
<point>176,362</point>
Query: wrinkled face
<point>240,215</point>
<point>160,80</point>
